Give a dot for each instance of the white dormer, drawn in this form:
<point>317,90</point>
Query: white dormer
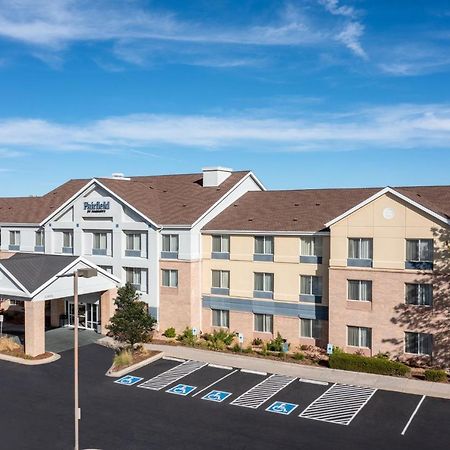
<point>215,176</point>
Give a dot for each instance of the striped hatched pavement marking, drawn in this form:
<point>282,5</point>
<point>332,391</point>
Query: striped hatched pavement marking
<point>170,376</point>
<point>340,404</point>
<point>257,395</point>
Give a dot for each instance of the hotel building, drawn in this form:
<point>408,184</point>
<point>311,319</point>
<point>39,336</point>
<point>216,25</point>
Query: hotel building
<point>362,269</point>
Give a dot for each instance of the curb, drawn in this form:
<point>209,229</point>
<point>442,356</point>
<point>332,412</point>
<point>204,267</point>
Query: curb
<point>136,366</point>
<point>30,362</point>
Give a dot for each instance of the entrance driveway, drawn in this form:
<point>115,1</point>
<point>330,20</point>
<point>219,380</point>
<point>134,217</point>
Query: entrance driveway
<point>61,339</point>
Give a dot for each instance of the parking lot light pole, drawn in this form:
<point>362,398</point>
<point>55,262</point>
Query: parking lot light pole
<point>80,273</point>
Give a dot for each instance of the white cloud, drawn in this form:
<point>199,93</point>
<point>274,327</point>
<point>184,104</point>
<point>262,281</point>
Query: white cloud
<point>54,25</point>
<point>333,7</point>
<point>351,36</point>
<point>400,127</point>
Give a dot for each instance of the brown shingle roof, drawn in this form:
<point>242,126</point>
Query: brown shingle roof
<point>165,199</point>
<point>311,209</point>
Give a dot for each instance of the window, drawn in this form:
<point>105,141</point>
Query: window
<point>264,323</point>
<point>220,318</point>
<point>169,246</point>
<point>310,328</point>
<point>419,254</point>
<point>221,244</point>
<point>133,244</point>
<point>359,337</point>
<point>310,246</point>
<point>418,343</point>
<point>39,238</point>
<point>170,278</point>
<point>263,248</point>
<point>419,294</point>
<point>14,240</point>
<point>134,277</point>
<point>310,285</point>
<point>67,242</point>
<point>108,269</point>
<point>221,279</point>
<point>360,290</point>
<point>100,242</point>
<point>263,285</point>
<point>360,248</point>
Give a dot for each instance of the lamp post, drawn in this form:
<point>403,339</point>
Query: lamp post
<point>80,273</point>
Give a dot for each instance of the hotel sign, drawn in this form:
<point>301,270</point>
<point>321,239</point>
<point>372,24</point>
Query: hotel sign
<point>96,207</point>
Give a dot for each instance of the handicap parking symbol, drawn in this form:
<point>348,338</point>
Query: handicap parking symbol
<point>216,396</point>
<point>181,389</point>
<point>281,408</point>
<point>128,380</point>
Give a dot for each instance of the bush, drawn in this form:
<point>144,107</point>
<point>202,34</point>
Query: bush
<point>358,363</point>
<point>187,337</point>
<point>247,349</point>
<point>219,339</point>
<point>8,345</point>
<point>123,359</point>
<point>298,356</point>
<point>170,332</point>
<point>437,375</point>
<point>236,348</point>
<point>276,345</point>
<point>257,341</point>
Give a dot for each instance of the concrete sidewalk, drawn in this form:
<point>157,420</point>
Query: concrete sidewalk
<point>309,372</point>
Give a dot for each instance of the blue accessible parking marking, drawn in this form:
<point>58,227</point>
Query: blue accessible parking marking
<point>181,389</point>
<point>128,380</point>
<point>281,408</point>
<point>216,396</point>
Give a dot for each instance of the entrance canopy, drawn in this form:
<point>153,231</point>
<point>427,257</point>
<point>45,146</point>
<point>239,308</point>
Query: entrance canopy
<point>27,276</point>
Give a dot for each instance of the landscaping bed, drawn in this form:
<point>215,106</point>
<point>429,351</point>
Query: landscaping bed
<point>10,348</point>
<point>127,358</point>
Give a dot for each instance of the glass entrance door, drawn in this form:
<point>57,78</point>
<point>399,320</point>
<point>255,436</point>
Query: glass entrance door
<point>87,315</point>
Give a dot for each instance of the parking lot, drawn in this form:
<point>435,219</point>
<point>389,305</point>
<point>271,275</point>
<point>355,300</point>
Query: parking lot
<point>188,404</point>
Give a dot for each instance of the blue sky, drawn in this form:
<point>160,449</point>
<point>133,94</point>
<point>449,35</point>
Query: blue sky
<point>306,93</point>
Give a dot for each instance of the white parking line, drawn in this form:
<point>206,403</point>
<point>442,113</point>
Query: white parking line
<point>254,372</point>
<point>257,395</point>
<point>218,366</point>
<point>340,404</point>
<point>215,382</point>
<point>306,380</point>
<point>413,414</point>
<point>172,358</point>
<point>170,376</point>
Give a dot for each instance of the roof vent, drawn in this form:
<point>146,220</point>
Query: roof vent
<point>119,176</point>
<point>215,176</point>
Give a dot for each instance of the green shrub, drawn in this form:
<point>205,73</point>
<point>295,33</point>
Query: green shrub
<point>247,349</point>
<point>358,363</point>
<point>436,375</point>
<point>236,348</point>
<point>170,332</point>
<point>257,341</point>
<point>219,339</point>
<point>276,345</point>
<point>298,356</point>
<point>187,337</point>
<point>123,359</point>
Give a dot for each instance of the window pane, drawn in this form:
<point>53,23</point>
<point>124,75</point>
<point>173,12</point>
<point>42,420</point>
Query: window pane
<point>166,243</point>
<point>426,294</point>
<point>353,290</point>
<point>305,328</point>
<point>305,284</point>
<point>317,329</point>
<point>412,293</point>
<point>225,318</point>
<point>411,342</point>
<point>225,279</point>
<point>268,282</point>
<point>426,250</point>
<point>318,246</point>
<point>353,248</point>
<point>173,243</point>
<point>269,245</point>
<point>412,250</point>
<point>174,278</point>
<point>365,337</point>
<point>366,249</point>
<point>259,244</point>
<point>306,246</point>
<point>216,278</point>
<point>216,318</point>
<point>259,282</point>
<point>165,278</point>
<point>425,343</point>
<point>226,244</point>
<point>366,291</point>
<point>259,322</point>
<point>216,247</point>
<point>316,285</point>
<point>268,323</point>
<point>353,336</point>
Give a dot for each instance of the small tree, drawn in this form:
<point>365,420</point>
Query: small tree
<point>131,322</point>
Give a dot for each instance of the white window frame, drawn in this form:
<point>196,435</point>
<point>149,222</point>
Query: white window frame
<point>266,276</point>
<point>359,336</point>
<point>266,323</point>
<point>14,237</point>
<point>360,290</point>
<point>221,238</point>
<point>314,242</point>
<point>420,343</point>
<point>222,275</point>
<point>135,239</point>
<point>136,276</point>
<point>419,250</point>
<point>311,285</point>
<point>39,238</point>
<point>172,278</point>
<point>315,328</point>
<point>359,248</point>
<point>265,240</point>
<point>420,287</point>
<point>174,243</point>
<point>99,240</point>
<point>67,234</point>
<point>224,318</point>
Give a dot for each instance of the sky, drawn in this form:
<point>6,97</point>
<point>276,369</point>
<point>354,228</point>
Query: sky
<point>305,93</point>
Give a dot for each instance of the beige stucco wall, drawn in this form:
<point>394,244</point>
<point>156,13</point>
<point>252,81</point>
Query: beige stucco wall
<point>181,307</point>
<point>389,235</point>
<point>285,267</point>
<point>34,328</point>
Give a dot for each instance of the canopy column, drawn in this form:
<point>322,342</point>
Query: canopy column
<point>34,327</point>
